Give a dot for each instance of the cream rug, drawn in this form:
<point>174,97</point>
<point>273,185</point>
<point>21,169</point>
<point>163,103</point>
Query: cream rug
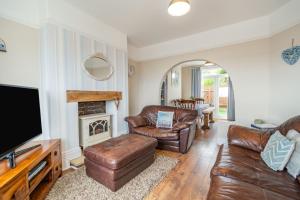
<point>78,186</point>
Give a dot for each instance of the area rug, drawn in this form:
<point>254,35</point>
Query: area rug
<point>78,186</point>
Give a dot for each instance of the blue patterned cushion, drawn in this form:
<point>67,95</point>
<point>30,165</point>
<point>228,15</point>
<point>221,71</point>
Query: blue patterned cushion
<point>278,151</point>
<point>164,119</point>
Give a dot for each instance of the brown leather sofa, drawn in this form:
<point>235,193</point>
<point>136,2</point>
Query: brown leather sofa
<point>178,139</point>
<point>240,173</point>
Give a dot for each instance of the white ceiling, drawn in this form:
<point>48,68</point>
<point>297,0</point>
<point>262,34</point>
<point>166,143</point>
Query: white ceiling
<point>147,22</point>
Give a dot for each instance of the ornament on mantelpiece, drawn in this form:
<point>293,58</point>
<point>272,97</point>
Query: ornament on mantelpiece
<point>291,55</point>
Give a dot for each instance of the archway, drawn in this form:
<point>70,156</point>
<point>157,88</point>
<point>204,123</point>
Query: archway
<point>194,79</point>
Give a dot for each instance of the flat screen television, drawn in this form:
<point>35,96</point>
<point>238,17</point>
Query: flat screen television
<point>20,118</point>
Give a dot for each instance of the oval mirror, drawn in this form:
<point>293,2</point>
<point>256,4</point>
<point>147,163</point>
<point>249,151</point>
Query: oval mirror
<point>98,67</point>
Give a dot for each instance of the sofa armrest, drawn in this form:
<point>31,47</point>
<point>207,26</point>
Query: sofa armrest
<point>247,138</point>
<point>186,137</point>
<point>180,125</point>
<point>136,121</point>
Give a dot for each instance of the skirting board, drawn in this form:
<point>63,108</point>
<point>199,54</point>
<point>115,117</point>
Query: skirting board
<point>69,155</point>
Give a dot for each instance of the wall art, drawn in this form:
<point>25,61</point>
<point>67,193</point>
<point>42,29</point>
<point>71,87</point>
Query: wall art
<point>2,45</point>
<point>291,55</point>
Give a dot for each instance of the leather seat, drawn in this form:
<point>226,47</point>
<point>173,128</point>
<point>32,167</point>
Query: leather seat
<point>158,133</point>
<point>240,173</point>
<point>179,138</point>
<point>223,188</point>
<point>251,169</point>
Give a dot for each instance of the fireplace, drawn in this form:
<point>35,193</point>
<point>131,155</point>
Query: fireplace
<point>97,113</point>
<point>93,129</point>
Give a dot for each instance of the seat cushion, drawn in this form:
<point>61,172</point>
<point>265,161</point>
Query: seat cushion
<point>223,188</point>
<point>247,166</point>
<point>117,152</point>
<point>158,133</point>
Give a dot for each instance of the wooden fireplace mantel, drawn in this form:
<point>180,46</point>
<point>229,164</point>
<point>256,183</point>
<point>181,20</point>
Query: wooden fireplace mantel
<point>85,96</point>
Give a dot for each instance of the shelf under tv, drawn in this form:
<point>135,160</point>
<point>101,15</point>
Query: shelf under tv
<point>15,184</point>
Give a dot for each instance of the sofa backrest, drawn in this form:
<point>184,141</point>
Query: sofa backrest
<point>292,123</point>
<point>150,113</point>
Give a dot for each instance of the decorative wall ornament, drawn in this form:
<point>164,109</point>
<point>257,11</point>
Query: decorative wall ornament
<point>291,55</point>
<point>2,45</point>
<point>174,78</point>
<point>131,70</point>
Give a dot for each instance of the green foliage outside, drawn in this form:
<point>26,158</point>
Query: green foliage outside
<point>223,111</point>
<point>224,81</point>
<point>208,82</point>
<point>221,71</point>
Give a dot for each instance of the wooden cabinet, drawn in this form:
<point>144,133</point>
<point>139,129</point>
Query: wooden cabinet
<point>17,189</point>
<point>15,183</point>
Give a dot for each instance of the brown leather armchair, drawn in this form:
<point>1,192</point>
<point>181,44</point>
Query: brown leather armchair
<point>240,173</point>
<point>179,138</point>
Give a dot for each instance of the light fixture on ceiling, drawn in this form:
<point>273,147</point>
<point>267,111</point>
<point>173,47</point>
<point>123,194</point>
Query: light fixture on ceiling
<point>209,64</point>
<point>179,7</point>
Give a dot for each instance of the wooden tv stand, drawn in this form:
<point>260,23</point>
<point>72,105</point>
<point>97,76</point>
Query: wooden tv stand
<point>14,183</point>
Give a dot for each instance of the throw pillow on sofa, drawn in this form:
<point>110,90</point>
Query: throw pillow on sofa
<point>293,166</point>
<point>164,119</point>
<point>278,151</point>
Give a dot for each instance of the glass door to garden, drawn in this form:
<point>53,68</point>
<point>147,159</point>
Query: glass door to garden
<point>215,90</point>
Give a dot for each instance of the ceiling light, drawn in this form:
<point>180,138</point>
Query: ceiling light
<point>179,7</point>
<point>209,64</point>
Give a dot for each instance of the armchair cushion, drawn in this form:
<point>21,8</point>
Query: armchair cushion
<point>158,133</point>
<point>248,138</point>
<point>136,121</point>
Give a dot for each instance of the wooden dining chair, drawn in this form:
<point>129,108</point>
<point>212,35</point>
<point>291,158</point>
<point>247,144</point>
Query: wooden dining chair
<point>188,104</point>
<point>175,103</point>
<point>199,100</point>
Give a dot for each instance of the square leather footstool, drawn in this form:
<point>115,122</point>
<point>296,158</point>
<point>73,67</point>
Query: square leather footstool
<point>116,161</point>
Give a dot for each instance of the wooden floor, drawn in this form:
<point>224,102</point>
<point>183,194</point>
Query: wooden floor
<point>191,177</point>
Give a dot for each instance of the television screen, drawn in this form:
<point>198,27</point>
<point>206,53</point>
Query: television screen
<point>20,118</point>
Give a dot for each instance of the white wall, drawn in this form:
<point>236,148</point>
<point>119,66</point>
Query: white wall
<point>133,85</point>
<point>285,79</point>
<point>265,87</point>
<point>20,64</point>
<point>247,64</point>
<point>186,82</point>
<point>174,91</point>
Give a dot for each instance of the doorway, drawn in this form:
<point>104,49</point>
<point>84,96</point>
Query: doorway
<point>199,79</point>
<point>215,89</point>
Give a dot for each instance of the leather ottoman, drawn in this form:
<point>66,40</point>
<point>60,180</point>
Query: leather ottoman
<point>116,161</point>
